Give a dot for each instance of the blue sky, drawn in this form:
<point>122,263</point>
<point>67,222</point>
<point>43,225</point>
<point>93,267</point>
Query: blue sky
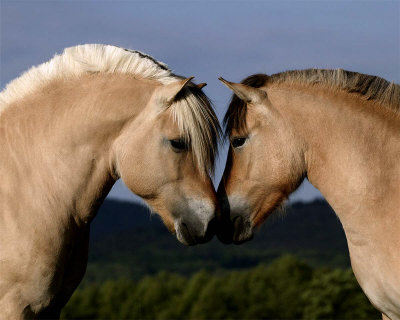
<point>210,38</point>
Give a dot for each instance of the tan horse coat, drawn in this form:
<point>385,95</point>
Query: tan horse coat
<point>64,143</point>
<point>347,146</point>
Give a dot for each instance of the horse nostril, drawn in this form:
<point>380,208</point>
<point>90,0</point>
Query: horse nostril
<point>237,221</point>
<point>186,233</point>
<point>242,230</point>
<point>237,226</point>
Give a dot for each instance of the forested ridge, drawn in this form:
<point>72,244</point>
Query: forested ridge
<point>296,267</point>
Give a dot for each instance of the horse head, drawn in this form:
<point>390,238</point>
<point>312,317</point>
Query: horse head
<point>166,154</point>
<point>264,165</point>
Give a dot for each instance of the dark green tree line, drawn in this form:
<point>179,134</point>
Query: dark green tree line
<point>286,289</point>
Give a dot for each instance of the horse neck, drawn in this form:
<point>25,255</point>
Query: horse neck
<point>351,148</point>
<point>60,143</point>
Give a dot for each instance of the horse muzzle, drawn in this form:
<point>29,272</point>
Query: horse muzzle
<point>191,234</point>
<point>233,221</point>
<point>195,222</point>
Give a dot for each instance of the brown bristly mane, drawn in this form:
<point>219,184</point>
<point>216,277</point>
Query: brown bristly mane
<point>368,87</point>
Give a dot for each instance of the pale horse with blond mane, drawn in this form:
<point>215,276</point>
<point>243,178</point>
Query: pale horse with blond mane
<point>69,129</point>
<point>339,129</point>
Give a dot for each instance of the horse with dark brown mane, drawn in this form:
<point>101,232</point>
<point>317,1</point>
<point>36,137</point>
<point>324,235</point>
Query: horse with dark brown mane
<point>339,129</point>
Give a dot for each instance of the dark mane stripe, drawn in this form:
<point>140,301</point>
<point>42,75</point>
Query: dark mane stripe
<point>146,56</point>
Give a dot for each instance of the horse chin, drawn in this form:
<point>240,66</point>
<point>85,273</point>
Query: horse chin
<point>242,230</point>
<point>187,235</point>
<point>187,239</point>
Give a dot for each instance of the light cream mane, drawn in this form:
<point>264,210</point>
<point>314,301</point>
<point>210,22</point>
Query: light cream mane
<point>367,86</point>
<point>81,59</point>
<point>199,125</point>
<point>192,112</point>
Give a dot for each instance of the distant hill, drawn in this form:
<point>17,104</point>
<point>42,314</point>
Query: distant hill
<point>126,241</point>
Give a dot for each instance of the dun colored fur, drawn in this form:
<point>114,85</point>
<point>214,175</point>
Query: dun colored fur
<point>366,86</point>
<point>69,129</point>
<point>339,129</point>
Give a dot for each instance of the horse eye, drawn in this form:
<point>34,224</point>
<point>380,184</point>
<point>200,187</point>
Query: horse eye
<point>238,142</point>
<point>178,144</point>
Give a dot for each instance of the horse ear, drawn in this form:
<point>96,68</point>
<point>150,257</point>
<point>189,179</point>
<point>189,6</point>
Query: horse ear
<point>168,93</point>
<point>201,85</point>
<point>245,93</point>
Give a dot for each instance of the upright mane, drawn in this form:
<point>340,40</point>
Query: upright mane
<point>193,112</point>
<point>87,58</point>
<point>366,86</point>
